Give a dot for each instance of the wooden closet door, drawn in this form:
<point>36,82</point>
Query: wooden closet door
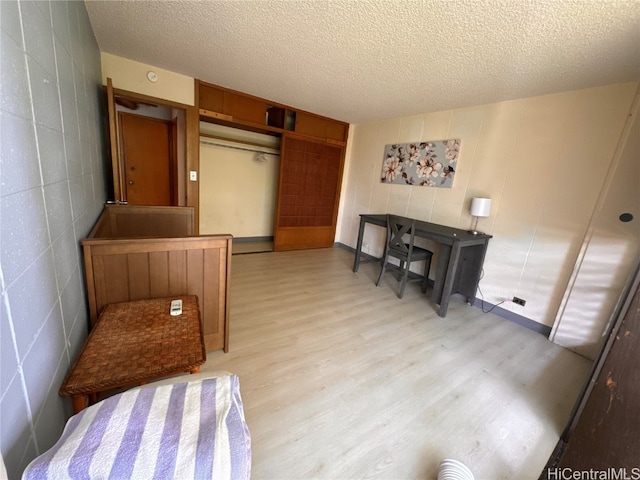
<point>308,193</point>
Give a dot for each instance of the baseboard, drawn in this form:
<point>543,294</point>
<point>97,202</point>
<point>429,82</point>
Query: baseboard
<point>513,317</point>
<point>253,239</point>
<point>344,247</point>
<point>501,312</point>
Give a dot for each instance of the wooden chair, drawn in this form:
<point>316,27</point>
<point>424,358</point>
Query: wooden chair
<point>396,246</point>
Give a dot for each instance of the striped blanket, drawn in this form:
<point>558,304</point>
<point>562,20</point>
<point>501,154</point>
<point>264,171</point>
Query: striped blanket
<point>186,430</point>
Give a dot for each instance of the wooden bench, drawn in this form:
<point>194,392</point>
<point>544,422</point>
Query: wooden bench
<point>133,343</point>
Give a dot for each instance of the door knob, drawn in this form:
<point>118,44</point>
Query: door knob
<point>130,182</point>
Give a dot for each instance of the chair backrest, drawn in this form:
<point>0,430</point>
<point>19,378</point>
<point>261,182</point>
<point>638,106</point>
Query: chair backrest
<point>397,228</point>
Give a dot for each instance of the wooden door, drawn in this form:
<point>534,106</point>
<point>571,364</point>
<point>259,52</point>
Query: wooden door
<point>308,193</point>
<point>147,160</point>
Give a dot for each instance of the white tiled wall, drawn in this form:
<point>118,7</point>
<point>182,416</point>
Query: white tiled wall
<point>52,188</point>
<point>542,160</point>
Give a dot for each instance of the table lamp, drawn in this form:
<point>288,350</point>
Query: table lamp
<point>480,207</point>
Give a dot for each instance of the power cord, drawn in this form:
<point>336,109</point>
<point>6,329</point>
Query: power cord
<point>482,295</point>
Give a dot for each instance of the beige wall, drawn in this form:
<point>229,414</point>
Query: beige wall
<point>237,192</point>
<point>132,76</point>
<point>542,160</point>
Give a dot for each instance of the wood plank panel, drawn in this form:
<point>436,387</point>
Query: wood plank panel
<point>139,285</point>
<point>316,126</point>
<point>103,228</point>
<point>211,280</point>
<point>177,272</point>
<point>210,97</point>
<point>242,107</point>
<point>223,300</point>
<point>100,284</point>
<point>227,291</point>
<point>136,245</point>
<point>108,268</point>
<point>127,221</point>
<point>159,274</point>
<point>195,278</point>
<point>152,221</point>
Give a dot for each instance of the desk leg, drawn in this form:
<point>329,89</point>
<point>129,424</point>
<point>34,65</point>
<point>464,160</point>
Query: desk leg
<point>471,297</point>
<point>444,255</point>
<point>356,260</point>
<point>447,286</point>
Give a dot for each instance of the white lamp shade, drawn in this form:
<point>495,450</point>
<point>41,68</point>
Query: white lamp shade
<point>481,207</point>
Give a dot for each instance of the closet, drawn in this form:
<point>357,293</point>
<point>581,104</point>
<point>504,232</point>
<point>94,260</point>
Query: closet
<point>238,184</point>
<point>311,162</point>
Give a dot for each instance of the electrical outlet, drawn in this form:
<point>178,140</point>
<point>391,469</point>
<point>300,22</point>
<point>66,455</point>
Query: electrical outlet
<point>365,247</point>
<point>519,301</point>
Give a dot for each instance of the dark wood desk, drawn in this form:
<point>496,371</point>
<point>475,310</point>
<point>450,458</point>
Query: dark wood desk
<point>459,262</point>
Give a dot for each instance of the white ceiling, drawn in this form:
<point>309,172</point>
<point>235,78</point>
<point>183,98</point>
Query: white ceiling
<point>365,60</point>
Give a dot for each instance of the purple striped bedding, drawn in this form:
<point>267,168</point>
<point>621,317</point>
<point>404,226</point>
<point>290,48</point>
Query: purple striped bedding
<point>186,430</point>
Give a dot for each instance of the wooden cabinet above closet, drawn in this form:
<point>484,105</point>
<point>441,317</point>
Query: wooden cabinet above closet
<point>228,107</point>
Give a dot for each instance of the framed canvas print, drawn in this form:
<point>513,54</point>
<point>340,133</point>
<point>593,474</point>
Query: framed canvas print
<point>426,164</point>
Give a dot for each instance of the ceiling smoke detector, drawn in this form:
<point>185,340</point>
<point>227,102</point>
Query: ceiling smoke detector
<point>152,77</point>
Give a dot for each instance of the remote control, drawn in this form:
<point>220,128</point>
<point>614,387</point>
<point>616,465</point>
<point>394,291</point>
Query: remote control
<point>176,307</point>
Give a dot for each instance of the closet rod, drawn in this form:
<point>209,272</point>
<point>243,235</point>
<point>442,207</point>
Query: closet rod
<point>255,150</point>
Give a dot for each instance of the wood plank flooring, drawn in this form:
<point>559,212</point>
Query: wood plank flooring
<point>341,379</point>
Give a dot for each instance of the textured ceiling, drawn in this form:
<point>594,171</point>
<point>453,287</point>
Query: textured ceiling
<point>364,60</point>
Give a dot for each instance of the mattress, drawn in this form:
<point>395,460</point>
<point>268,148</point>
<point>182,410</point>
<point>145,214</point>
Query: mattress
<point>185,428</point>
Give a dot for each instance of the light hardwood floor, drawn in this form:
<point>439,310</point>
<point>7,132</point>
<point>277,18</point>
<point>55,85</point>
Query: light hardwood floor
<point>341,379</point>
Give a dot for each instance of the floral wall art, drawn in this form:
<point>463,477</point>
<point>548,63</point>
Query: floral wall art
<point>427,164</point>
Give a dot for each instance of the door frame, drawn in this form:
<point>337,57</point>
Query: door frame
<point>191,148</point>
